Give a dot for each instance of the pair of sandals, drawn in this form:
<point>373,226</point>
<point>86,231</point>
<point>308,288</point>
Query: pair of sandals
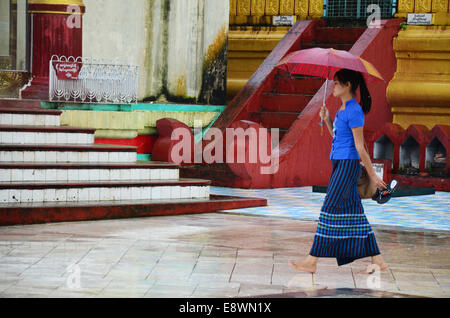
<point>383,196</point>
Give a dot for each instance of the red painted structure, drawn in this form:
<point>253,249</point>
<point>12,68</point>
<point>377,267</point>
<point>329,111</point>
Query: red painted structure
<point>420,134</point>
<point>143,143</point>
<point>395,133</point>
<point>274,101</point>
<point>162,149</point>
<point>423,136</point>
<point>442,133</point>
<point>20,104</point>
<point>440,184</point>
<point>51,35</point>
<point>65,212</point>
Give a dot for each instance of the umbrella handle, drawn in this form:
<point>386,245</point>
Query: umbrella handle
<point>321,124</point>
<point>321,119</point>
<point>324,102</point>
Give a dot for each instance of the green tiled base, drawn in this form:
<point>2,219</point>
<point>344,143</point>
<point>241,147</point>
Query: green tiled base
<point>144,157</point>
<point>132,107</point>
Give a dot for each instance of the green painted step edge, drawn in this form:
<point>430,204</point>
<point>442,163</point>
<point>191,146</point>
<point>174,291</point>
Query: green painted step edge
<point>144,157</point>
<point>134,107</point>
<point>199,137</point>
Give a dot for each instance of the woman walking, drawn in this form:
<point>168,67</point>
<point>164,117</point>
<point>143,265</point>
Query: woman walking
<point>343,231</point>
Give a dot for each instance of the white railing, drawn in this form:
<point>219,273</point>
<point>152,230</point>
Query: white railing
<point>88,80</point>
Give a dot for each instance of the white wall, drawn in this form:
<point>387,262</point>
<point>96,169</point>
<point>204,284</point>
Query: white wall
<point>115,30</point>
<point>169,47</point>
<point>194,26</point>
<point>4,27</point>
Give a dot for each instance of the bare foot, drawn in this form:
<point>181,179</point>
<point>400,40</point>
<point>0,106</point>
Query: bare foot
<point>372,268</point>
<point>303,267</point>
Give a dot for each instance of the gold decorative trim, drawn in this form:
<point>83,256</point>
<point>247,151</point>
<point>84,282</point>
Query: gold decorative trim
<point>258,7</point>
<point>272,7</point>
<point>244,7</point>
<point>439,6</point>
<point>11,82</point>
<point>316,8</point>
<point>287,7</point>
<point>58,2</point>
<point>301,8</point>
<point>233,8</point>
<point>260,12</point>
<point>406,6</point>
<point>422,6</point>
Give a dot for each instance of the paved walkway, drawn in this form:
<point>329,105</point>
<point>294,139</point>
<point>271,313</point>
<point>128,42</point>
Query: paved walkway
<point>207,255</point>
<point>427,212</point>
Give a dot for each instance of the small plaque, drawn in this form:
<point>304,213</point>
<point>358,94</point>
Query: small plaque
<point>419,18</point>
<point>280,20</point>
<point>67,70</point>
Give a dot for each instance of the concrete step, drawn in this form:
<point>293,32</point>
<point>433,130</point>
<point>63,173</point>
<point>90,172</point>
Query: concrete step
<point>26,172</point>
<point>32,213</point>
<point>29,117</point>
<point>282,120</point>
<point>298,85</point>
<point>69,153</point>
<point>337,34</point>
<point>285,102</point>
<point>336,46</point>
<point>69,191</point>
<point>45,135</point>
<point>20,103</point>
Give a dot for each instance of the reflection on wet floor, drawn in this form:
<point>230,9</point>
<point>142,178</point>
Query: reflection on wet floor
<point>412,237</point>
<point>209,255</point>
<point>340,293</point>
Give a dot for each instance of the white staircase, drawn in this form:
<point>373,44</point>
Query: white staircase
<point>41,161</point>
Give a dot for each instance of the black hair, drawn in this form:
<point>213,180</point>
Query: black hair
<point>356,80</point>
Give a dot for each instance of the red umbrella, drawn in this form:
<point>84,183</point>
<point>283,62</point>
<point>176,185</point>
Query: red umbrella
<point>325,63</point>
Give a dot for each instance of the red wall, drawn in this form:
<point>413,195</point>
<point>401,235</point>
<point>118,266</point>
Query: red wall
<point>144,143</point>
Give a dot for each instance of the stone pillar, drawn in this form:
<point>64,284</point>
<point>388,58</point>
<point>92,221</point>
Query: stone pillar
<point>56,29</point>
<point>420,90</point>
<point>438,8</point>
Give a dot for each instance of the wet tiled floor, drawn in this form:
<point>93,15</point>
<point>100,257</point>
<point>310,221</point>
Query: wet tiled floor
<point>428,212</point>
<point>208,255</point>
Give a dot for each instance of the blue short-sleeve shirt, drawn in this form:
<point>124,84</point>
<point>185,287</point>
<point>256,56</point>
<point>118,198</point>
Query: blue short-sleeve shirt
<point>343,142</point>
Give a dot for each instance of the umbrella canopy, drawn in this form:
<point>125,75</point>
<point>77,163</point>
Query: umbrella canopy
<point>325,63</point>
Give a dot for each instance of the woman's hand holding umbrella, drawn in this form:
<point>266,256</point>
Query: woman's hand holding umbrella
<point>324,116</point>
